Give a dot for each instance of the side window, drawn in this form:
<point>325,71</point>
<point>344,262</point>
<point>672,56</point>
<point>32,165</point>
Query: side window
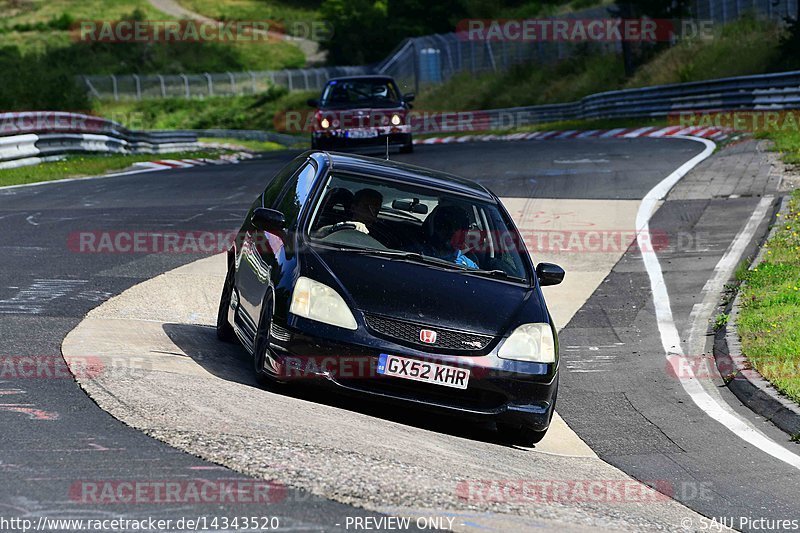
<point>276,185</point>
<point>296,194</point>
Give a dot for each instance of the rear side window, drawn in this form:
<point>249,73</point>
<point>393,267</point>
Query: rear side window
<point>296,194</point>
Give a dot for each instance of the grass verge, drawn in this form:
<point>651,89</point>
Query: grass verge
<point>247,144</point>
<point>769,322</point>
<point>76,166</point>
<point>251,112</point>
<point>787,143</point>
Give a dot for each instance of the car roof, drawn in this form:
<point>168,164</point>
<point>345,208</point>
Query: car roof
<point>396,171</point>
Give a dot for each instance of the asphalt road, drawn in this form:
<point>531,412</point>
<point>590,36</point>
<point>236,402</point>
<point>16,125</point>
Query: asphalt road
<point>45,289</point>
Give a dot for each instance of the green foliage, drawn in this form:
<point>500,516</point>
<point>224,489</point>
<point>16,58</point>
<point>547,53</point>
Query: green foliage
<point>241,112</point>
<point>38,82</point>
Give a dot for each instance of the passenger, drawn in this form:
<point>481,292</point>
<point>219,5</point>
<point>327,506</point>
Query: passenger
<point>449,225</point>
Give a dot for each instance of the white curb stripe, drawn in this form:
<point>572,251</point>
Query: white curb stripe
<point>671,339</point>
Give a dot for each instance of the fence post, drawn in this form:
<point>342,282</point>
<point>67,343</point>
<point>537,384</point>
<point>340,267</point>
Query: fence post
<point>491,55</point>
<point>233,82</point>
<point>186,85</point>
<point>289,79</point>
<point>415,65</point>
<point>305,77</point>
<point>114,87</point>
<point>138,86</point>
<point>210,83</point>
<point>253,81</point>
<point>163,86</point>
<point>472,55</point>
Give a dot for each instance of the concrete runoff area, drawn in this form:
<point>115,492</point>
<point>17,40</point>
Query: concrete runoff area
<point>164,372</point>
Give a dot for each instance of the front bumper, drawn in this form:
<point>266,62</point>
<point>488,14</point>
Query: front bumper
<point>336,139</point>
<point>510,392</point>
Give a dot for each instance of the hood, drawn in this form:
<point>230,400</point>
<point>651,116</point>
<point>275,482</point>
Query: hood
<point>429,295</point>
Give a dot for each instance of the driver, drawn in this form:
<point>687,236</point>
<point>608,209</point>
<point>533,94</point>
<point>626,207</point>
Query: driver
<point>362,215</point>
<point>450,223</point>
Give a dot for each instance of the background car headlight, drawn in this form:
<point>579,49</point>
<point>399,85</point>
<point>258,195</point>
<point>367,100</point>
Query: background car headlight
<point>324,123</point>
<point>396,120</point>
<point>317,301</point>
<point>530,342</point>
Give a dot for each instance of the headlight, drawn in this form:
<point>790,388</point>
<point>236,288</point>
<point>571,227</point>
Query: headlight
<point>396,120</point>
<point>324,123</point>
<point>530,342</point>
<point>316,301</point>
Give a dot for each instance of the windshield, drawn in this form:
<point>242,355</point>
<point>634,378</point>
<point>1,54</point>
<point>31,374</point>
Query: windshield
<point>415,223</point>
<point>360,93</point>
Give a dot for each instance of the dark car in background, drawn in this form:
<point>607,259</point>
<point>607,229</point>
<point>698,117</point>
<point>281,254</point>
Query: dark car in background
<point>362,112</point>
<point>417,280</point>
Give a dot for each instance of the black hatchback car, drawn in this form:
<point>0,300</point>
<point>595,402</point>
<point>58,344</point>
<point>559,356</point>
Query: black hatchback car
<point>395,282</point>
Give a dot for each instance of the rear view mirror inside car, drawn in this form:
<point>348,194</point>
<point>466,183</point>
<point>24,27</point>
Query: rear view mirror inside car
<point>413,206</point>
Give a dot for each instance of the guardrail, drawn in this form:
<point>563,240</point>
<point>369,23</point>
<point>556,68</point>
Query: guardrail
<point>777,91</point>
<point>30,138</point>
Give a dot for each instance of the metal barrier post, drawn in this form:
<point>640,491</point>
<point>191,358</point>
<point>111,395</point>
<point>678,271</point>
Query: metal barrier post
<point>210,84</point>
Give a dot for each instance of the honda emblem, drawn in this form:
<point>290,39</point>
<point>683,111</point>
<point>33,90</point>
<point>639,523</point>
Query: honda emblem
<point>428,336</point>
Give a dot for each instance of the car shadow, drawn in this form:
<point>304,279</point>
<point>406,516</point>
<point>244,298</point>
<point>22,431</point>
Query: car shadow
<point>231,362</point>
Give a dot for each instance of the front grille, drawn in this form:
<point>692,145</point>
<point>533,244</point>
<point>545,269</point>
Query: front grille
<point>446,339</point>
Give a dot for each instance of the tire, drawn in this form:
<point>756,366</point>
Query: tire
<point>224,329</point>
<point>261,344</point>
<point>314,144</point>
<point>407,148</point>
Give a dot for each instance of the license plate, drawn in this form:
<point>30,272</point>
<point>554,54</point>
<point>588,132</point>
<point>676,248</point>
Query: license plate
<point>361,134</point>
<point>400,367</point>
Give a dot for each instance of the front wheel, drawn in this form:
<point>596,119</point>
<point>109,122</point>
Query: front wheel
<point>224,329</point>
<point>261,345</point>
<point>407,148</point>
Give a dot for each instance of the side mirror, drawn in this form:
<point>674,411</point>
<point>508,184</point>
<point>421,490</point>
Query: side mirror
<point>268,220</point>
<point>313,102</point>
<point>549,274</point>
<point>409,97</point>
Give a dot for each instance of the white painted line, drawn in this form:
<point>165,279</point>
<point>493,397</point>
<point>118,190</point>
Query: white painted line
<point>586,134</point>
<point>670,338</point>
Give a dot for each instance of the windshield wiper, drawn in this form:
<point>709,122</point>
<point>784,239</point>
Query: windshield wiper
<point>415,256</point>
<point>497,274</point>
<point>412,256</point>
